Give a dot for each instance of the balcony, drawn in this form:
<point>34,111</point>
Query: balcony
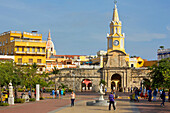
<point>41,64</point>
<point>41,53</point>
<point>21,64</point>
<point>16,33</point>
<point>20,52</point>
<point>31,52</point>
<point>22,40</point>
<point>35,53</point>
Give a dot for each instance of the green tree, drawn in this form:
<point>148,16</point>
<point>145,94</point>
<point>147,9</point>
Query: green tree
<point>102,82</point>
<point>30,76</point>
<point>41,79</point>
<point>4,74</point>
<point>17,78</point>
<point>160,74</point>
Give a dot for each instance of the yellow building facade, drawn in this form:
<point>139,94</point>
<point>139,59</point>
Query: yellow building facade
<point>136,62</point>
<point>27,48</point>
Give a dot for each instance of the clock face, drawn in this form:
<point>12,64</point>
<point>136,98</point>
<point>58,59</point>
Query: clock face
<point>116,43</point>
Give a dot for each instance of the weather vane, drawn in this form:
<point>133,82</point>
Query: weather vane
<point>115,1</point>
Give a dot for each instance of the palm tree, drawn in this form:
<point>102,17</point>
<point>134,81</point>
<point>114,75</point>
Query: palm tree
<point>55,71</point>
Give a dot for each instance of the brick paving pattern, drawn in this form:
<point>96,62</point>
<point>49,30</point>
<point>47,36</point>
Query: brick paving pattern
<point>63,105</point>
<point>152,107</point>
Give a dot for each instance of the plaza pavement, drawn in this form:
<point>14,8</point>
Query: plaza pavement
<point>63,105</point>
<point>80,107</point>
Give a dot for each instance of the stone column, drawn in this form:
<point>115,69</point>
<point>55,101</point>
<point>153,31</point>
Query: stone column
<point>109,82</point>
<point>11,97</point>
<point>37,92</point>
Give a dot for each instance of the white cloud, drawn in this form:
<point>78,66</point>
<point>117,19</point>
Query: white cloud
<point>145,37</point>
<point>168,28</point>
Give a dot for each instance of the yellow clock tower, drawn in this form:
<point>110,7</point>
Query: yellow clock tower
<point>115,40</point>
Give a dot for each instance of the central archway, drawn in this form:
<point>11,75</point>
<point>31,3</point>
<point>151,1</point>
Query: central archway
<point>116,82</point>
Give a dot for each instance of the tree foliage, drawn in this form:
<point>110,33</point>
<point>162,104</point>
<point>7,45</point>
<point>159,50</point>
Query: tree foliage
<point>160,74</point>
<point>63,86</point>
<point>20,76</point>
<point>102,82</point>
<point>55,70</point>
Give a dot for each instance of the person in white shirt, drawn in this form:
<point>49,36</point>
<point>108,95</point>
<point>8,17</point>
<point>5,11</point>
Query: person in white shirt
<point>57,93</point>
<point>73,96</point>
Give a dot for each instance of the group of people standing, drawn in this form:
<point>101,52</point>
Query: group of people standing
<point>148,94</point>
<point>58,93</point>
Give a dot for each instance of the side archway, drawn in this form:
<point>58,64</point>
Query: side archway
<point>86,85</point>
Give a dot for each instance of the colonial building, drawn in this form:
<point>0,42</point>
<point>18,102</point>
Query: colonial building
<point>163,53</point>
<point>115,66</point>
<point>27,48</point>
<point>63,61</point>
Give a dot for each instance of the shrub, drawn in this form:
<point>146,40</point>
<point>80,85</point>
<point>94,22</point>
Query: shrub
<point>28,89</point>
<point>32,99</point>
<point>70,90</point>
<point>4,104</point>
<point>41,98</point>
<point>49,90</point>
<point>20,90</point>
<point>19,100</point>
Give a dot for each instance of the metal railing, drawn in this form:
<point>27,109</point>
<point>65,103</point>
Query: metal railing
<point>20,40</point>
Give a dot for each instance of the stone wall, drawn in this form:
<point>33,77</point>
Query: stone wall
<point>75,77</point>
<point>129,77</point>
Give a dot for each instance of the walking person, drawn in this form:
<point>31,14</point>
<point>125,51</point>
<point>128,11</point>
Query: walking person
<point>128,89</point>
<point>163,97</point>
<point>111,98</point>
<point>62,93</point>
<point>58,92</point>
<point>35,93</point>
<point>53,93</point>
<point>29,94</point>
<point>105,91</point>
<point>150,95</point>
<point>131,89</point>
<point>144,91</point>
<point>154,94</point>
<point>73,96</point>
<point>169,95</point>
<point>136,95</point>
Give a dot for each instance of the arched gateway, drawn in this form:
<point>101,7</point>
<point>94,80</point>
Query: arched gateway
<point>86,85</point>
<point>116,82</point>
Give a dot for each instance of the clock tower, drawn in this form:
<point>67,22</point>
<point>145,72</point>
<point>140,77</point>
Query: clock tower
<point>115,39</point>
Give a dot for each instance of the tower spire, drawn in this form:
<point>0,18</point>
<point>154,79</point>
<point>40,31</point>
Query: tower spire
<point>49,35</point>
<point>115,12</point>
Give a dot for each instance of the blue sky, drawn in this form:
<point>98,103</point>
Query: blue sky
<point>80,26</point>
